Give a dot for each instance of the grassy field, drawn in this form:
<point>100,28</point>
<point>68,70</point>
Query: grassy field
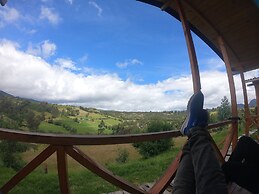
<point>50,128</point>
<point>84,123</point>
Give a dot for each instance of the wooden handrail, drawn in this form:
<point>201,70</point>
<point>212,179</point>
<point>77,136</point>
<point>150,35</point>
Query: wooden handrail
<point>64,144</point>
<point>62,139</point>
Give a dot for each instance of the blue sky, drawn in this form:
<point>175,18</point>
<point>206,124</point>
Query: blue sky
<point>120,55</point>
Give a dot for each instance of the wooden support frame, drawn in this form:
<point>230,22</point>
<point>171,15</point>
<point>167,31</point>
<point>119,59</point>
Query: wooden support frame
<point>256,85</point>
<point>190,47</point>
<point>96,168</point>
<point>28,169</point>
<point>232,90</point>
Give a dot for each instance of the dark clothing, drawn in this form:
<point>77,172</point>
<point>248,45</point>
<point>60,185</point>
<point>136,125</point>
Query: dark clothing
<point>243,165</point>
<point>199,171</point>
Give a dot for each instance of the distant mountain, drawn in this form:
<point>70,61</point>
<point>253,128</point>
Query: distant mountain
<point>240,105</point>
<point>252,103</point>
<point>4,94</point>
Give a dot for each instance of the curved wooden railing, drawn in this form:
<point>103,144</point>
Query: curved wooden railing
<point>66,144</point>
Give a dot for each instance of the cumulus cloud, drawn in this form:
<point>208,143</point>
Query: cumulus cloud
<point>50,15</point>
<point>95,5</point>
<point>44,49</point>
<point>128,62</point>
<point>66,64</point>
<point>26,75</point>
<point>8,15</point>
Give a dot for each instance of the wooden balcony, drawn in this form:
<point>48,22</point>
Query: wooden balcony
<point>65,145</point>
<point>230,28</point>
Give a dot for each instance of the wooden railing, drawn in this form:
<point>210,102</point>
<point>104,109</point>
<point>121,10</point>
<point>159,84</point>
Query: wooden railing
<point>65,145</point>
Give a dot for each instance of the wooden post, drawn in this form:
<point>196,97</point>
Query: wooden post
<point>247,112</point>
<point>232,90</point>
<point>191,49</point>
<point>62,170</point>
<point>256,84</point>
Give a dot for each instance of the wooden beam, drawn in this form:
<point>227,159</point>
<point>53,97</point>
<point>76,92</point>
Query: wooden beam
<point>166,4</point>
<point>62,170</point>
<point>27,169</point>
<point>247,111</point>
<point>191,49</point>
<point>256,84</point>
<point>210,25</point>
<point>227,143</point>
<point>96,168</point>
<point>60,139</point>
<point>232,90</point>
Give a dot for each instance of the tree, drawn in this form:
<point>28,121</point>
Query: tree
<point>33,121</point>
<point>10,154</point>
<point>224,110</point>
<point>101,127</point>
<point>153,148</point>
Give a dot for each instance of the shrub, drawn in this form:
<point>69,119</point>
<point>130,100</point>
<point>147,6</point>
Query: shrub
<point>9,154</point>
<point>153,148</point>
<point>123,156</point>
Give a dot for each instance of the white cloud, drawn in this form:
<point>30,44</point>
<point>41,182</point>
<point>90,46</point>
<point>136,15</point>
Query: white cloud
<point>215,63</point>
<point>99,9</point>
<point>66,64</point>
<point>29,76</point>
<point>44,49</point>
<point>69,1</point>
<point>83,59</point>
<point>8,15</point>
<point>128,62</point>
<point>50,15</point>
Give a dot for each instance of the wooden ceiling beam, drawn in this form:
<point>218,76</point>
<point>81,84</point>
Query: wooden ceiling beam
<point>166,5</point>
<point>210,24</point>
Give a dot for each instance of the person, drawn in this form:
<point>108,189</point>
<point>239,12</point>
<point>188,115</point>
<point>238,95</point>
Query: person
<point>242,166</point>
<point>199,169</point>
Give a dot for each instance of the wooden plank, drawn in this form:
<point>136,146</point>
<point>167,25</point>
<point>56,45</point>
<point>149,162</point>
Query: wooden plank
<point>247,112</point>
<point>96,168</point>
<point>28,169</point>
<point>166,5</point>
<point>232,89</point>
<point>191,49</point>
<point>227,143</point>
<point>256,84</point>
<point>62,170</point>
<point>166,179</point>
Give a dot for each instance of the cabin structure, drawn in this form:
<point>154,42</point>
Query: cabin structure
<point>230,28</point>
